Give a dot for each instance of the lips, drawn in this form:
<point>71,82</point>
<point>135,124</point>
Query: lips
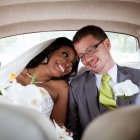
<point>61,67</point>
<point>93,62</point>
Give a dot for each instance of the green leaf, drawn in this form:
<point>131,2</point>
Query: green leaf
<point>123,97</point>
<point>33,80</point>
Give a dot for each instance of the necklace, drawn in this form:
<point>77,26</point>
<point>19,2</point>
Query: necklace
<point>29,74</point>
<point>32,77</point>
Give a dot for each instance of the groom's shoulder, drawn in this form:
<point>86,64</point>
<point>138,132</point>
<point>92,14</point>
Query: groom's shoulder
<point>132,71</point>
<point>82,75</point>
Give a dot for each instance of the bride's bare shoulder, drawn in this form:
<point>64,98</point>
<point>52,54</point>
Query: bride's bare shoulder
<point>58,84</point>
<point>57,88</point>
<point>23,79</point>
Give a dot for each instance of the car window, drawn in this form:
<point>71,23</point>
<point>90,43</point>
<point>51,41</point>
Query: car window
<point>125,49</point>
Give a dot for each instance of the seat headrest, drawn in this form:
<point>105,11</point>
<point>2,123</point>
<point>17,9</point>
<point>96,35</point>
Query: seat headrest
<point>18,123</point>
<point>120,124</point>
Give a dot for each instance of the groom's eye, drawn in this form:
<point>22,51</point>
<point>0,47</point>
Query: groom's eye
<point>65,54</point>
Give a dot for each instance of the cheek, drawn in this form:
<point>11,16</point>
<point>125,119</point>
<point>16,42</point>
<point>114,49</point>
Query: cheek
<point>84,62</point>
<point>50,63</point>
<point>101,54</point>
<point>53,59</point>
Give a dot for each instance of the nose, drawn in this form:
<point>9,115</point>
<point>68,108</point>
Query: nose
<point>68,65</point>
<point>86,55</point>
<point>87,59</point>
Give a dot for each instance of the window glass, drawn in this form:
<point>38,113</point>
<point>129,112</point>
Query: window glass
<point>124,47</point>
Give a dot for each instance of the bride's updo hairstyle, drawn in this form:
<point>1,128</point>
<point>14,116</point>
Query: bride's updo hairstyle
<point>55,45</point>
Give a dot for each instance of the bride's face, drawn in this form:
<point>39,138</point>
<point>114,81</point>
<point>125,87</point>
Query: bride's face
<point>61,61</point>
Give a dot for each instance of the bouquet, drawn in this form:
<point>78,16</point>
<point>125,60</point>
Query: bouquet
<point>28,96</point>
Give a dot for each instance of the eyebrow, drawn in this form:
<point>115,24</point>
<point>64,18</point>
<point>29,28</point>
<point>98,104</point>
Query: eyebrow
<point>65,49</point>
<point>81,53</point>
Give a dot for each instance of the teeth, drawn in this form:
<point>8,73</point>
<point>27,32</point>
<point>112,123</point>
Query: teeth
<point>61,68</point>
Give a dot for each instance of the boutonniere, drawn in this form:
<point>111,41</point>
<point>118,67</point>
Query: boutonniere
<point>126,88</point>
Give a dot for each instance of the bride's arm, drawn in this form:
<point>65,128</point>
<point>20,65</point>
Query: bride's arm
<point>59,111</point>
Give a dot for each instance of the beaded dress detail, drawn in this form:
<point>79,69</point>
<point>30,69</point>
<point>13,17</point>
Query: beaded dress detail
<point>47,104</point>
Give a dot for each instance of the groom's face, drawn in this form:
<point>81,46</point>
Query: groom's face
<point>61,61</point>
<point>93,53</point>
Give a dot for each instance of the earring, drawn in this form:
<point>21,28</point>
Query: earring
<point>45,60</point>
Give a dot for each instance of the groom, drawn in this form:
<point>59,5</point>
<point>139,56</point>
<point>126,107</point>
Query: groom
<point>91,93</point>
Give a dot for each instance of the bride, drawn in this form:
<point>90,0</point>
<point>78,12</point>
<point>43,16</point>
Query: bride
<point>48,66</point>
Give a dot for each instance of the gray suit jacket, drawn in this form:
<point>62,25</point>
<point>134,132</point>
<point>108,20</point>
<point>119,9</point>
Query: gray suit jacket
<point>83,99</point>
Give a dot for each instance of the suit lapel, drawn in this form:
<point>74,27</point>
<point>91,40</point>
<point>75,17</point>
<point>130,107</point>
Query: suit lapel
<point>91,95</point>
<point>122,76</point>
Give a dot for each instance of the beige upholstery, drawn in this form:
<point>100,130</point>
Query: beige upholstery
<point>121,124</point>
<point>24,16</point>
<point>18,123</point>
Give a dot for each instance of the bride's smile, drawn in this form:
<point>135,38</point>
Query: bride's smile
<point>61,61</point>
<point>47,69</point>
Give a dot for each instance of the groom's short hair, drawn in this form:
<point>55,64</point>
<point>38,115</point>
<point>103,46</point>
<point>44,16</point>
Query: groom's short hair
<point>95,31</point>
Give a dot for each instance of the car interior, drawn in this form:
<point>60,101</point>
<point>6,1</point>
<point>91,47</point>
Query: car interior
<point>26,23</point>
<point>52,18</point>
<point>15,120</point>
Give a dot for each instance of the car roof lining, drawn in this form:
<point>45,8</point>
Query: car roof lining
<point>18,17</point>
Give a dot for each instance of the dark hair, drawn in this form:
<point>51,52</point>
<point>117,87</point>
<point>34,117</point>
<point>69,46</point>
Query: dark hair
<point>95,31</point>
<point>55,45</point>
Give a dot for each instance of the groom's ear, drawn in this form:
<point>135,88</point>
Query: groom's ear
<point>107,44</point>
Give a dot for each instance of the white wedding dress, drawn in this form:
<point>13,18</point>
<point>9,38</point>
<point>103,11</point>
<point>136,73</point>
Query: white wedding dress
<point>47,104</point>
<point>30,95</point>
<point>17,66</point>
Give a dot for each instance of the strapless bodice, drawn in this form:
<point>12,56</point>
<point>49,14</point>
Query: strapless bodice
<point>47,104</point>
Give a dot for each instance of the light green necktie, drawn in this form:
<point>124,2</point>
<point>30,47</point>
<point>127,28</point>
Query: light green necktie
<point>106,97</point>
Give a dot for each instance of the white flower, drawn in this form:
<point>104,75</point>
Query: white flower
<point>27,96</point>
<point>30,96</point>
<point>3,100</point>
<point>62,134</point>
<point>126,88</point>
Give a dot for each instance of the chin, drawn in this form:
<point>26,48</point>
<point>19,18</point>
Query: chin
<point>97,70</point>
<point>58,75</point>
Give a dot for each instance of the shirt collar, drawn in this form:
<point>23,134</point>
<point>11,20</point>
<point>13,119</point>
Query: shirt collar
<point>112,72</point>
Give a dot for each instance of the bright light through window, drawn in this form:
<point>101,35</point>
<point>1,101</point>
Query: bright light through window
<point>124,49</point>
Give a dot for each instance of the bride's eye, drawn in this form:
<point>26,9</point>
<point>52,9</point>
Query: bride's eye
<point>65,54</point>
